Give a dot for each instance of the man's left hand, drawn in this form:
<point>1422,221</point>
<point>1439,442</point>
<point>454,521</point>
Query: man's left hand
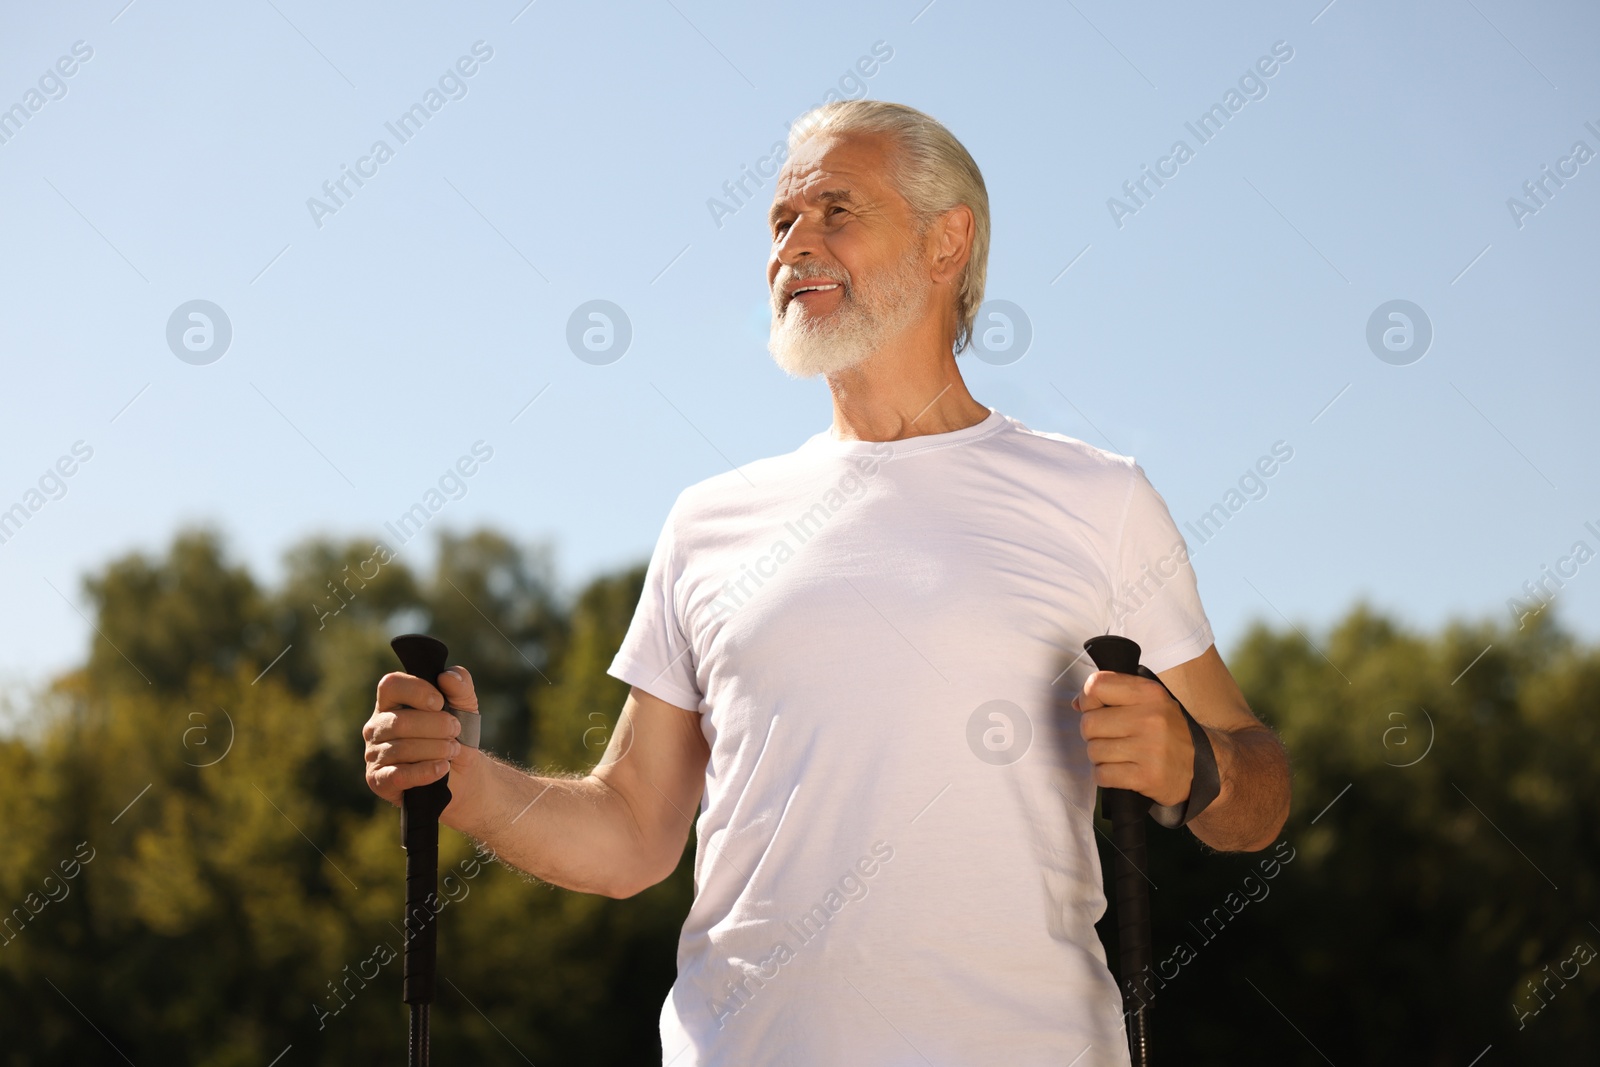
<point>1137,736</point>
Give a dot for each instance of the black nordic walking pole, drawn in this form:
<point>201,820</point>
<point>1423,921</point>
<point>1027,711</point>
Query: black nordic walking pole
<point>1126,810</point>
<point>420,807</point>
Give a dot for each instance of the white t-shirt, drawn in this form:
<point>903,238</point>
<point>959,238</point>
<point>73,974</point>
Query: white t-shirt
<point>896,862</point>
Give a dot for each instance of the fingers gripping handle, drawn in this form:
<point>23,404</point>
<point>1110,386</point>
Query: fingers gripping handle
<point>1119,654</point>
<point>425,657</point>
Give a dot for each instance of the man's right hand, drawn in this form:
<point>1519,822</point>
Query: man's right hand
<point>615,831</point>
<point>411,738</point>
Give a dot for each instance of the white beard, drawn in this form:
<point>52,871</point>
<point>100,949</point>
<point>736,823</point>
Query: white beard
<point>868,315</point>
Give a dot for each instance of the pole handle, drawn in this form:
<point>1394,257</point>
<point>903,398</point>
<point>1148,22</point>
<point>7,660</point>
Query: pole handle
<point>420,807</point>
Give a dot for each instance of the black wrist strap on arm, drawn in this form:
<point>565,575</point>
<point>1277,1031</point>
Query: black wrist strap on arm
<point>1205,785</point>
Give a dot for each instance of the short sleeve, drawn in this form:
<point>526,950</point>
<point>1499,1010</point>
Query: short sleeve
<point>655,655</point>
<point>1155,598</point>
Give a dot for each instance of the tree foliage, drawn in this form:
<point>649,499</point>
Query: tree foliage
<point>1444,854</point>
<point>194,871</point>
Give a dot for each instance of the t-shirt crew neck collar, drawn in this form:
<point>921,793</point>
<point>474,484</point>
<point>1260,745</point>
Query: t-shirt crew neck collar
<point>826,442</point>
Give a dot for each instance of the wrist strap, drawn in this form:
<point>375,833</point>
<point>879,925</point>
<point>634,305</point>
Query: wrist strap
<point>472,726</point>
<point>1206,782</point>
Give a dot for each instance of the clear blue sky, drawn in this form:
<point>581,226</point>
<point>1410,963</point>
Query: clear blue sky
<point>373,345</point>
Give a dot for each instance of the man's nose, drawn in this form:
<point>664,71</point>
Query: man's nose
<point>799,240</point>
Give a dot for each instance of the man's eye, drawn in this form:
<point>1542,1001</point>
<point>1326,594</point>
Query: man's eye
<point>780,227</point>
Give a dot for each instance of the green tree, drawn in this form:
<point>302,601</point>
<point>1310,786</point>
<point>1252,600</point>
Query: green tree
<point>235,889</point>
<point>1444,851</point>
<point>245,886</point>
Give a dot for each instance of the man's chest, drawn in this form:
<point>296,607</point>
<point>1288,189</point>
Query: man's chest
<point>895,586</point>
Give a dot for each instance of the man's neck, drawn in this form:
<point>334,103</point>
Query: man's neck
<point>900,392</point>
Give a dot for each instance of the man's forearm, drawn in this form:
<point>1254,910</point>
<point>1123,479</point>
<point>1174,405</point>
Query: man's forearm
<point>1253,803</point>
<point>576,833</point>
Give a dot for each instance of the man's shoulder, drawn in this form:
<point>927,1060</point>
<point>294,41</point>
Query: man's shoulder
<point>741,487</point>
<point>1062,454</point>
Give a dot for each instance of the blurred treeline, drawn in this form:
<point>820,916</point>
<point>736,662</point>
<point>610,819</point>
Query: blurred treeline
<point>193,871</point>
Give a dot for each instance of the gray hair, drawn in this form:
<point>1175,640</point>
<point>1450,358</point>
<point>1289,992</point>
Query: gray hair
<point>933,172</point>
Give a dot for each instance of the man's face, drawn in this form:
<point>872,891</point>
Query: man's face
<point>838,223</point>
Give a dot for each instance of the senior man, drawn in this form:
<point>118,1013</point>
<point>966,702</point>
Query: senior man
<point>855,661</point>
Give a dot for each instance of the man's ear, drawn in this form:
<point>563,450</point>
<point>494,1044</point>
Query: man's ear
<point>953,242</point>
